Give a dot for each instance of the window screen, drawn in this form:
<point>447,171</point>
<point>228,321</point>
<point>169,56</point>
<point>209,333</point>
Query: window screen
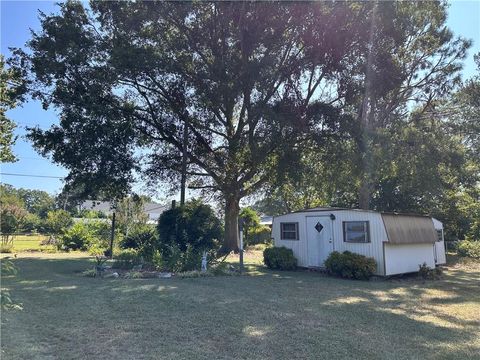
<point>289,231</point>
<point>356,231</point>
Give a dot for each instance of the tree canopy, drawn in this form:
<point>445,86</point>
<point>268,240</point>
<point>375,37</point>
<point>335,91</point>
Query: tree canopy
<point>253,84</point>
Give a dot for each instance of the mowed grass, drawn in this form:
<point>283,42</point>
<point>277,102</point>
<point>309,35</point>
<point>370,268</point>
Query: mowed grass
<point>264,315</point>
<point>23,243</point>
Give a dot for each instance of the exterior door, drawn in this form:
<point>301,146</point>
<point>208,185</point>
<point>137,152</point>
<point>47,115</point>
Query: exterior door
<point>319,239</point>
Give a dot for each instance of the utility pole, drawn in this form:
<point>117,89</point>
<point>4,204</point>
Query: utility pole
<point>184,164</point>
<point>112,234</point>
<point>240,228</point>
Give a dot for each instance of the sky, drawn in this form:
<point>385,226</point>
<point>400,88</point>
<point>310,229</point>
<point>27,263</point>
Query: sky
<point>18,17</point>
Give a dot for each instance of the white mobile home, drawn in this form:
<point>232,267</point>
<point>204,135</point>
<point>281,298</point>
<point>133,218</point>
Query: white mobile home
<point>399,243</point>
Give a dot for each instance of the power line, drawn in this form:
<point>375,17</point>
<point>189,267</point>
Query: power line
<point>33,175</point>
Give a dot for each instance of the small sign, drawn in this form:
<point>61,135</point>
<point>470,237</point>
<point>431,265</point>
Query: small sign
<point>318,227</point>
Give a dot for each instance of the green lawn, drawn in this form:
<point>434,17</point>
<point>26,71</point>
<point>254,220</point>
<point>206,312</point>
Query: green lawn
<point>267,315</point>
<point>31,243</point>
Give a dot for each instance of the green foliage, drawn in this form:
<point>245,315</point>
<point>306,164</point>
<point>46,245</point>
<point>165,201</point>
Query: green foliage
<point>130,213</point>
<point>221,269</point>
<point>58,221</point>
<point>92,235</point>
<point>157,261</point>
<point>251,223</point>
<point>37,202</point>
<point>253,232</point>
<point>6,248</point>
<point>279,258</point>
<point>12,218</point>
<point>467,248</point>
<point>260,235</point>
<point>7,268</point>
<point>350,265</point>
<point>144,239</point>
<point>89,273</point>
<point>274,46</point>
<point>193,225</point>
<point>176,260</point>
<point>427,273</point>
<point>32,223</point>
<point>77,237</point>
<point>12,84</point>
<point>127,259</point>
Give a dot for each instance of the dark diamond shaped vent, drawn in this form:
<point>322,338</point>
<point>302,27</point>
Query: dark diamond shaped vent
<point>318,227</point>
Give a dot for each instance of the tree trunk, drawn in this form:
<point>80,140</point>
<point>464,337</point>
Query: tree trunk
<point>232,210</point>
<point>184,165</point>
<point>364,194</point>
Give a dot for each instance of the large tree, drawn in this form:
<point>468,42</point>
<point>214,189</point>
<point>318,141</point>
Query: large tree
<point>412,59</point>
<point>242,78</point>
<point>12,86</point>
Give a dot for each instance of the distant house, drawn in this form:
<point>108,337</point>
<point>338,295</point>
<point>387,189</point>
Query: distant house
<point>153,210</point>
<point>399,243</point>
<point>266,220</point>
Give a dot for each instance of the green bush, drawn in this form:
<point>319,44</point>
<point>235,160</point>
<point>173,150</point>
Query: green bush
<point>194,224</point>
<point>260,235</point>
<point>180,261</point>
<point>6,248</point>
<point>279,258</point>
<point>127,259</point>
<point>142,238</point>
<point>427,273</point>
<point>157,261</point>
<point>351,266</point>
<point>77,237</point>
<point>468,248</point>
<point>184,233</point>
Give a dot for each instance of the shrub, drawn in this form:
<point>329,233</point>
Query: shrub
<point>184,233</point>
<point>6,248</point>
<point>468,248</point>
<point>127,259</point>
<point>157,261</point>
<point>142,238</point>
<point>58,221</point>
<point>427,273</point>
<point>194,224</point>
<point>279,258</point>
<point>180,261</point>
<point>351,266</point>
<point>260,235</point>
<point>78,237</point>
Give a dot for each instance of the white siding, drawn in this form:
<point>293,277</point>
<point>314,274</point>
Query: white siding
<point>299,247</point>
<point>440,257</point>
<point>405,258</point>
<point>373,249</point>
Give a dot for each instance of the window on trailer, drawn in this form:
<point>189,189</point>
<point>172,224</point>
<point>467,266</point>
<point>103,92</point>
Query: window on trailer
<point>440,235</point>
<point>356,231</point>
<point>289,231</point>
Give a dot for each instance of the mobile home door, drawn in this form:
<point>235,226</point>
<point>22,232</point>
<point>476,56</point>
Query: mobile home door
<point>319,239</point>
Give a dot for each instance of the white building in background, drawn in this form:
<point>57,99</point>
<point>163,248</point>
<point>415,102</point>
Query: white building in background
<point>399,243</point>
<point>153,210</point>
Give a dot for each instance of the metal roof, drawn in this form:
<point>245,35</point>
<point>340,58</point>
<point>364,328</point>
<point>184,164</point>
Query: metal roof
<point>409,229</point>
<point>318,209</point>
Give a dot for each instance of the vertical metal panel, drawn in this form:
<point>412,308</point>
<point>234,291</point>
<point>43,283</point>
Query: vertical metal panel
<point>374,248</point>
